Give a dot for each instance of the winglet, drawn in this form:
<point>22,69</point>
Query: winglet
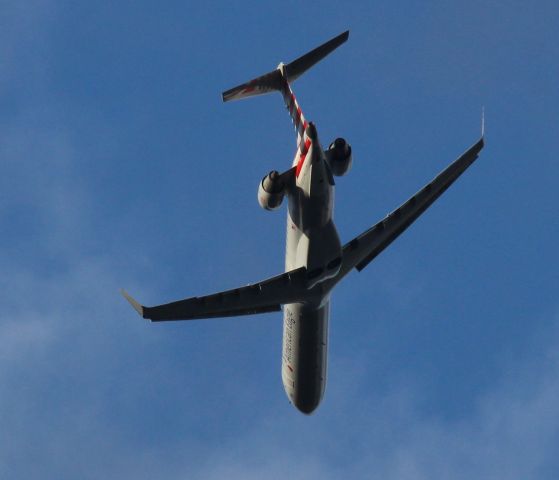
<point>139,308</point>
<point>482,121</point>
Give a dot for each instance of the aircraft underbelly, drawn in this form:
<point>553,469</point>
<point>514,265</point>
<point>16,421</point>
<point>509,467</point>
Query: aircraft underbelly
<point>313,242</point>
<point>304,358</point>
<point>312,238</point>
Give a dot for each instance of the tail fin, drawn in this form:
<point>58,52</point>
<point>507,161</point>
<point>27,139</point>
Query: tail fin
<point>274,80</point>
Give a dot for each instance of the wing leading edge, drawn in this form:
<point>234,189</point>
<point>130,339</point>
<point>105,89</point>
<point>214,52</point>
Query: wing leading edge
<point>261,297</point>
<point>360,251</point>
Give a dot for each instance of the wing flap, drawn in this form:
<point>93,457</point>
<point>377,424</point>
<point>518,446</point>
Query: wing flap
<point>261,297</point>
<point>360,251</point>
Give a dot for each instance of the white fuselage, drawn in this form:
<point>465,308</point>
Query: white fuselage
<point>312,242</point>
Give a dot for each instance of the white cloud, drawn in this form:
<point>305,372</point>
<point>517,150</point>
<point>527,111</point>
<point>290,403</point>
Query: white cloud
<point>20,339</point>
<point>22,47</point>
<point>511,433</point>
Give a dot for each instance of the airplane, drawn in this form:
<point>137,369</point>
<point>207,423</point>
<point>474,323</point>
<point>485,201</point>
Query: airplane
<point>315,259</point>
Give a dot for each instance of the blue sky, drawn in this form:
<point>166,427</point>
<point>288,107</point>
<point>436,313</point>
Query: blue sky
<point>122,168</point>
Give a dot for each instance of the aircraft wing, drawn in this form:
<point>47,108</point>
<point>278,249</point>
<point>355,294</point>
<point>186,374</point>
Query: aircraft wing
<point>360,251</point>
<point>261,297</point>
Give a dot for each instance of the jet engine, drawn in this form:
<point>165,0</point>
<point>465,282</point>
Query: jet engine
<point>271,191</point>
<point>339,157</point>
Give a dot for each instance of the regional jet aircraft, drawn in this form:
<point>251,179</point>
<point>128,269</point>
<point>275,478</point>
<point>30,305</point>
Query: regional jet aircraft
<point>315,259</point>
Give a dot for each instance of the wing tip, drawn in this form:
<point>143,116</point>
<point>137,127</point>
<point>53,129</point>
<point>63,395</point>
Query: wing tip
<point>137,306</point>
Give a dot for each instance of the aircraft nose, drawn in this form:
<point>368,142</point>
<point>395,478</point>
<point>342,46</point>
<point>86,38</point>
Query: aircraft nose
<point>306,407</point>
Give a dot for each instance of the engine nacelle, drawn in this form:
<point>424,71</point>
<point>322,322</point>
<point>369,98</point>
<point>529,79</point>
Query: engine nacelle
<point>271,191</point>
<point>338,156</point>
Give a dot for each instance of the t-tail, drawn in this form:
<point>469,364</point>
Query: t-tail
<point>276,80</point>
<point>279,81</point>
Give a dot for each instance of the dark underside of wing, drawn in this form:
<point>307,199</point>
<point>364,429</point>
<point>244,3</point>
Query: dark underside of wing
<point>261,297</point>
<point>360,251</point>
<point>292,287</point>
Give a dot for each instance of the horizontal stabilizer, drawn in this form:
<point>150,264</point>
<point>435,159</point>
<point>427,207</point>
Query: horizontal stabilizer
<point>270,82</point>
<point>297,67</point>
<point>275,80</point>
